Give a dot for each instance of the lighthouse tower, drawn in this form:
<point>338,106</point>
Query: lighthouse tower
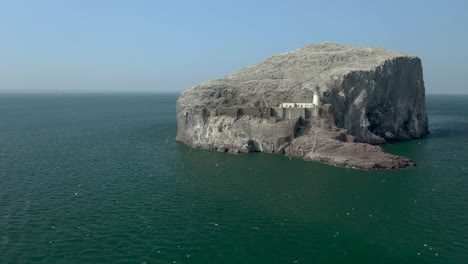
<point>316,99</point>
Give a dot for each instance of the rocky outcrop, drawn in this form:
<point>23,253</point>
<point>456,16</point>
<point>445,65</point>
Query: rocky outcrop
<point>373,95</point>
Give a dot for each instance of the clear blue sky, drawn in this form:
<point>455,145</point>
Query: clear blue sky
<point>173,45</point>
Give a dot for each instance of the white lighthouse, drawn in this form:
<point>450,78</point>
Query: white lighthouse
<point>316,99</point>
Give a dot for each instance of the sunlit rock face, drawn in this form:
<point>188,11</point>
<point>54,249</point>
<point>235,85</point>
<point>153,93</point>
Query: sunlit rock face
<point>373,95</point>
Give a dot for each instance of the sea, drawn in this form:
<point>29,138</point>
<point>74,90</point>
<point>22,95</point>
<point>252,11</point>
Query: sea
<point>100,178</point>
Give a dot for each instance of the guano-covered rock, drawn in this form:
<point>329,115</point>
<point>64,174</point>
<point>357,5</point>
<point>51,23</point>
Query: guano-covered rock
<point>369,95</point>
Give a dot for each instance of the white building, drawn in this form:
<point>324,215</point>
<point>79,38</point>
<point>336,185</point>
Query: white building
<point>299,105</point>
<point>315,102</point>
<point>287,105</point>
<point>316,99</point>
<point>305,105</point>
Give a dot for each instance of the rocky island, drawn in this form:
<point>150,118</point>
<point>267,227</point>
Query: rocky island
<point>324,102</point>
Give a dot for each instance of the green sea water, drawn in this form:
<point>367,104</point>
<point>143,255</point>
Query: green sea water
<point>101,179</point>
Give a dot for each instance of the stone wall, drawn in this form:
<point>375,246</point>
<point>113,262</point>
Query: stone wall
<point>259,112</point>
<point>274,114</point>
<point>294,113</point>
<point>229,111</point>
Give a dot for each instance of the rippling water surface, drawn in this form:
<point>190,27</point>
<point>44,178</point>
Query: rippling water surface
<point>101,179</point>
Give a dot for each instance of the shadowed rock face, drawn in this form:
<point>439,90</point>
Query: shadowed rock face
<point>375,95</point>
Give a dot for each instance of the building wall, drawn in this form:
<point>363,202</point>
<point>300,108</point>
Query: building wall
<point>293,113</point>
<point>305,105</point>
<point>278,112</point>
<point>300,105</point>
<point>287,105</point>
<point>260,112</point>
<point>273,114</point>
<point>316,100</point>
<point>229,111</point>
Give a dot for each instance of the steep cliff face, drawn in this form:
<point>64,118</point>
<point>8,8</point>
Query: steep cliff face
<point>375,95</point>
<point>387,102</point>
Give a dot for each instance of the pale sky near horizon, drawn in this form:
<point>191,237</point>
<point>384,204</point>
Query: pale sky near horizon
<point>169,46</point>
